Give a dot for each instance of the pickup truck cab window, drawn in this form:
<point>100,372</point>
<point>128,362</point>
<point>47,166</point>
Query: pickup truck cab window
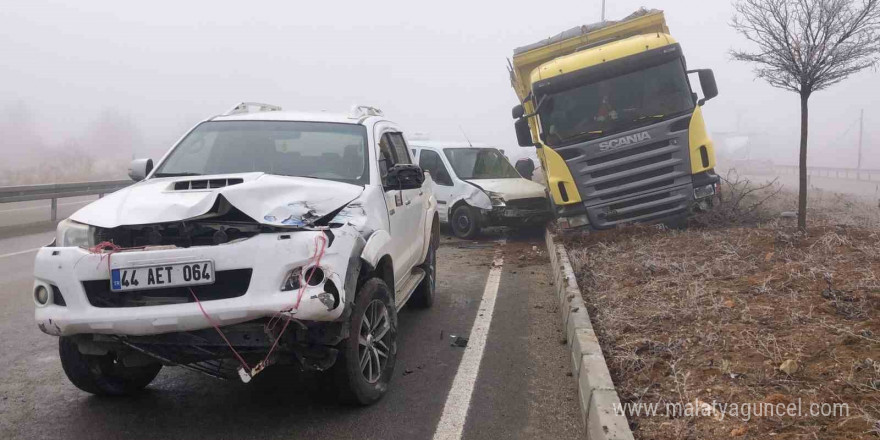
<point>329,151</point>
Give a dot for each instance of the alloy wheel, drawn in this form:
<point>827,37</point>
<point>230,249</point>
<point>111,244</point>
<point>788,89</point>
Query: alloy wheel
<point>374,342</point>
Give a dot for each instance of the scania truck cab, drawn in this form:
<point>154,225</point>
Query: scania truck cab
<point>618,129</point>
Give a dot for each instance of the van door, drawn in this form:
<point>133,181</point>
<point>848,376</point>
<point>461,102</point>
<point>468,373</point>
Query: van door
<point>430,161</point>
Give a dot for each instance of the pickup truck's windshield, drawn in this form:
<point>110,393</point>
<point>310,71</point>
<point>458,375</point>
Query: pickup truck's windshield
<point>616,104</point>
<point>321,150</point>
<point>480,163</point>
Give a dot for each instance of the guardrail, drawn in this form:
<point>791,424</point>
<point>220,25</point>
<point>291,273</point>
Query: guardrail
<point>834,173</point>
<point>55,191</point>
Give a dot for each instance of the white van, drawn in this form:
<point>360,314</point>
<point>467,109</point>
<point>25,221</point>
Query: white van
<point>476,186</point>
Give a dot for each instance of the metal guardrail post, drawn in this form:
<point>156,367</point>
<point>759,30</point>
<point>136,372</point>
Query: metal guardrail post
<point>55,191</point>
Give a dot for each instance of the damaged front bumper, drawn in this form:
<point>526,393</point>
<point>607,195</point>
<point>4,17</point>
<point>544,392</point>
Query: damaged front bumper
<point>517,213</point>
<point>248,284</point>
<point>516,217</point>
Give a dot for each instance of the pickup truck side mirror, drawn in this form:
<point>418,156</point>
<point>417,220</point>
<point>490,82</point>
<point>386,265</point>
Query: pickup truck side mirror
<point>404,176</point>
<point>139,169</point>
<point>523,133</point>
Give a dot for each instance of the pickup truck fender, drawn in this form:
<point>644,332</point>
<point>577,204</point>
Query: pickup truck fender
<point>377,245</point>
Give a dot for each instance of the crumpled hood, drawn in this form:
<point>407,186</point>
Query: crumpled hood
<point>267,198</point>
<point>511,189</point>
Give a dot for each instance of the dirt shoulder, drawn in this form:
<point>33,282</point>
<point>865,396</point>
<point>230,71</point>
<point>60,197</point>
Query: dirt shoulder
<point>739,315</point>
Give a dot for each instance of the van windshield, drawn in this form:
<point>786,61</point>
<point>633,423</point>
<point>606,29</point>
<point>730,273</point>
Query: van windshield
<point>321,150</point>
<point>616,104</point>
<point>480,163</point>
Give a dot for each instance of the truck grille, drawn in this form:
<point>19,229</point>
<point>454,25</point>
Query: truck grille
<point>229,284</point>
<point>632,171</point>
<point>637,175</point>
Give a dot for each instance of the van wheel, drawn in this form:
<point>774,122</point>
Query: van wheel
<point>465,222</point>
<point>366,359</point>
<point>103,375</point>
<point>423,297</point>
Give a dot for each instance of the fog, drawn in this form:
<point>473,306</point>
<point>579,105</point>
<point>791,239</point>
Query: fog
<point>109,80</point>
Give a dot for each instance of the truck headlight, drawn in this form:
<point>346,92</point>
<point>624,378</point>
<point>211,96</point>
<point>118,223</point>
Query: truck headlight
<point>497,199</point>
<point>73,234</point>
<point>702,192</point>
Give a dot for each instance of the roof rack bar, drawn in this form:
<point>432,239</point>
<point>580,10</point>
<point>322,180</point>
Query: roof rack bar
<point>245,107</point>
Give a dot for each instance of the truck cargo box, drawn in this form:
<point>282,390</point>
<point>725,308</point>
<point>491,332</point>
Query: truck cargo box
<point>527,58</point>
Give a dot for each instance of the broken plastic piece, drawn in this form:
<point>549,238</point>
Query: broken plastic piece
<point>458,341</point>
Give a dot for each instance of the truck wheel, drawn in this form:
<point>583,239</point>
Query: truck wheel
<point>465,222</point>
<point>423,297</point>
<point>103,375</point>
<point>679,222</point>
<point>366,359</point>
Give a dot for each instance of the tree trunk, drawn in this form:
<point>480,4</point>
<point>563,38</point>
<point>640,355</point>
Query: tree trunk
<point>802,193</point>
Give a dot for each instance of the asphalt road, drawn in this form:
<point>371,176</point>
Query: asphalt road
<point>521,391</point>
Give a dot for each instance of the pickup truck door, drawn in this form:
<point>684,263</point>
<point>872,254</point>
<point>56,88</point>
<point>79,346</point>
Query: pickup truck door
<point>404,208</point>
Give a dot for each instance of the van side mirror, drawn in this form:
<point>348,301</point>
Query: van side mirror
<point>139,169</point>
<point>523,133</point>
<point>404,176</point>
<point>707,82</point>
<point>518,111</point>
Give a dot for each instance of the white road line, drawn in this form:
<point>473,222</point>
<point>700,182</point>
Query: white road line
<point>19,253</point>
<point>458,402</point>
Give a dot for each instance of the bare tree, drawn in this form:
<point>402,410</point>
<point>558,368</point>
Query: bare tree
<point>805,46</point>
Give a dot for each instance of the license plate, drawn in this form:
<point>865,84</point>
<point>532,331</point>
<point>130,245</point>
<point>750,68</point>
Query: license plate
<point>166,275</point>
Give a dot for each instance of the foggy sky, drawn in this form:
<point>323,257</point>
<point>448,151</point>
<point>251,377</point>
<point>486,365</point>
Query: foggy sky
<point>431,66</point>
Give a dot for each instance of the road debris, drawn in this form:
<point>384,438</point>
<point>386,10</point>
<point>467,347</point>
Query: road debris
<point>458,341</point>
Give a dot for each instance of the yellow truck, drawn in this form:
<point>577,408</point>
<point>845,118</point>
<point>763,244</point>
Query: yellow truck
<point>617,126</point>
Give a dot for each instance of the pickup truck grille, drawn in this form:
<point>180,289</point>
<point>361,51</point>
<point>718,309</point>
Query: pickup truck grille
<point>229,284</point>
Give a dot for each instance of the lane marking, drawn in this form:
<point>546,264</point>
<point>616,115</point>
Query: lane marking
<point>451,425</point>
<point>19,253</point>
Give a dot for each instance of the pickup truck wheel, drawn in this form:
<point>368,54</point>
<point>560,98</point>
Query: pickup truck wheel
<point>465,222</point>
<point>366,359</point>
<point>103,375</point>
<point>423,297</point>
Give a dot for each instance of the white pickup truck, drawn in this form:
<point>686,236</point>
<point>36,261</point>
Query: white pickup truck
<point>262,237</point>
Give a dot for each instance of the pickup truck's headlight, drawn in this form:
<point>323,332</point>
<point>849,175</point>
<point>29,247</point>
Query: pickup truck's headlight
<point>497,199</point>
<point>73,234</point>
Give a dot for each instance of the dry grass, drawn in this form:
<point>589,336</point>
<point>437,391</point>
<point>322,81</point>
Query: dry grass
<point>712,312</point>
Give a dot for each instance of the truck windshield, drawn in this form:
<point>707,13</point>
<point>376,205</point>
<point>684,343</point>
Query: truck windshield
<point>616,104</point>
<point>320,150</point>
<point>480,163</point>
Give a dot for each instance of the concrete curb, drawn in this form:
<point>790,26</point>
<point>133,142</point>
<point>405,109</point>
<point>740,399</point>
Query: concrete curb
<point>598,399</point>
